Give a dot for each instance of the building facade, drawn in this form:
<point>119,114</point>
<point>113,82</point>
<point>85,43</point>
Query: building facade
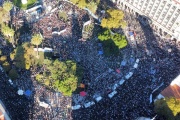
<point>163,14</point>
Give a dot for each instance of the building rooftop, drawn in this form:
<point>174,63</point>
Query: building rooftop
<point>171,91</point>
<point>1,115</point>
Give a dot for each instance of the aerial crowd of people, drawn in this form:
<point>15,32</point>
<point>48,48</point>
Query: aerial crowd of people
<point>159,64</point>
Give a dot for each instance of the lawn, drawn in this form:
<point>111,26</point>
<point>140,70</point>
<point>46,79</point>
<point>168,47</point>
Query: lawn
<point>24,6</point>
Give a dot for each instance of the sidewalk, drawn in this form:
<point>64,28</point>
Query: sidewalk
<point>2,109</point>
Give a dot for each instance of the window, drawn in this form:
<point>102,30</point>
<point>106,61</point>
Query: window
<point>178,11</point>
<point>168,5</point>
<point>173,20</point>
<point>174,7</point>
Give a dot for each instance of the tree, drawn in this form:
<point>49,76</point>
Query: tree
<point>62,75</point>
<point>7,5</point>
<point>168,107</point>
<point>36,40</point>
<point>4,16</point>
<point>80,3</point>
<point>62,15</point>
<point>90,4</point>
<point>3,58</point>
<point>119,40</point>
<point>8,32</point>
<point>114,19</point>
<point>23,56</point>
<point>13,74</point>
<point>6,66</point>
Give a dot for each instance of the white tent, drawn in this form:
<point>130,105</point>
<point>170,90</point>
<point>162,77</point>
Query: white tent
<point>33,8</point>
<point>98,99</point>
<point>43,104</point>
<point>20,92</point>
<point>143,118</point>
<point>115,86</point>
<point>121,81</point>
<point>135,65</point>
<point>112,94</point>
<point>137,60</point>
<point>86,105</point>
<point>129,75</point>
<point>10,81</point>
<point>76,107</point>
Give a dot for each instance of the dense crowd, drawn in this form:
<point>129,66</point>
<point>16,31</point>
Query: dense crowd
<point>133,99</point>
<point>159,63</point>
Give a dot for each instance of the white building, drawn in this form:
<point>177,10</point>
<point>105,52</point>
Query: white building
<point>164,14</point>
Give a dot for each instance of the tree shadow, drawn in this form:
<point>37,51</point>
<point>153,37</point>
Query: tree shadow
<point>76,29</point>
<point>22,30</point>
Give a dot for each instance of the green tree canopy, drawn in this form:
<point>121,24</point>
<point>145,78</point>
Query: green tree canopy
<point>168,107</point>
<point>114,19</point>
<point>63,76</point>
<point>62,15</point>
<point>23,56</point>
<point>119,40</point>
<point>4,16</point>
<point>3,58</point>
<point>6,66</point>
<point>36,40</point>
<point>8,33</point>
<point>7,5</point>
<point>90,4</point>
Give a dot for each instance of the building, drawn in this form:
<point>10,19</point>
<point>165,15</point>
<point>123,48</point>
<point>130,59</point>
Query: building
<point>173,90</point>
<point>163,15</point>
<point>3,113</point>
